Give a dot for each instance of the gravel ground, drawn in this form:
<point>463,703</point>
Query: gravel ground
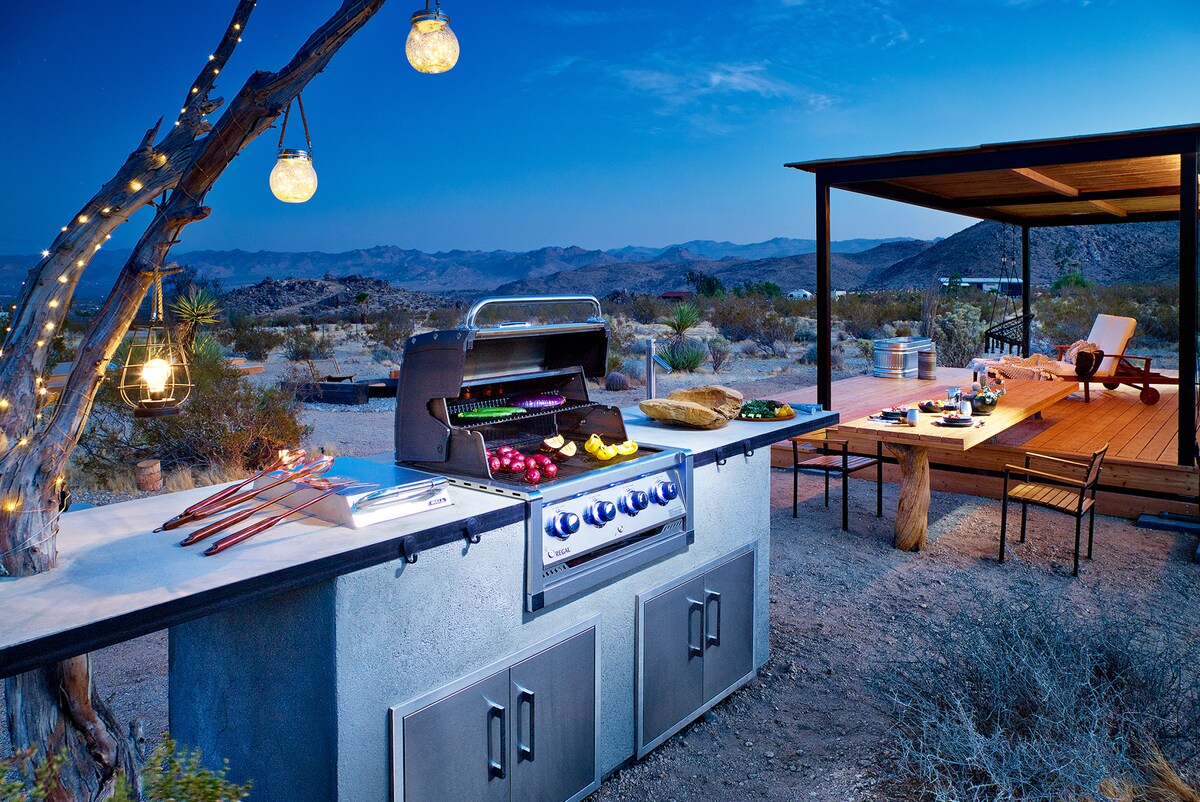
<point>814,724</point>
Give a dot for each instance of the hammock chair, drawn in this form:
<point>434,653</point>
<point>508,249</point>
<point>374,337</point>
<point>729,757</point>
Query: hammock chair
<point>1006,331</point>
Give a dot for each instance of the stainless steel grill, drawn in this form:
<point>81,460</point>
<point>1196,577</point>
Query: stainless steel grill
<point>596,519</point>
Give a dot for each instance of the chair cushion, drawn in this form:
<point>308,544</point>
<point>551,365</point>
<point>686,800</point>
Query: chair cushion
<point>1111,334</point>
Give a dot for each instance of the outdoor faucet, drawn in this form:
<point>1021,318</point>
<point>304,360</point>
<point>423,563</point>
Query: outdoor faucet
<point>653,362</point>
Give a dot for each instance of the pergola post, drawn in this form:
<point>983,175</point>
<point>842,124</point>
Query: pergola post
<point>1026,294</point>
<point>1189,207</point>
<point>824,301</point>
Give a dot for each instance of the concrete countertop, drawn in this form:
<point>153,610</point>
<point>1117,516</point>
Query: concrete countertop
<point>116,579</point>
<point>735,437</point>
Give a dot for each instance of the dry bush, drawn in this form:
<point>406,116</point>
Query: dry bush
<point>958,332</point>
<point>646,308</point>
<point>227,422</point>
<point>253,342</point>
<point>720,353</point>
<point>1044,706</point>
<point>864,315</point>
<point>1067,315</point>
<point>737,318</point>
<point>301,344</point>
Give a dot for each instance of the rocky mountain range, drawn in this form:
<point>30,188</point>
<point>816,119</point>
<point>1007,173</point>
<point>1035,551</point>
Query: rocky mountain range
<point>1141,252</point>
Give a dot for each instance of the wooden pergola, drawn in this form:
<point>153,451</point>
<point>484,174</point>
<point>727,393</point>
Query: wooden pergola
<point>1126,177</point>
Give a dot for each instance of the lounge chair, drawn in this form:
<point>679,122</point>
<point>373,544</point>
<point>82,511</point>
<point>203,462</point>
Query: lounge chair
<point>325,376</point>
<point>1111,334</point>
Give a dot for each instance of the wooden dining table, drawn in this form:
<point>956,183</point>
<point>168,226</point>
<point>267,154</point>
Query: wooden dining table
<point>910,445</point>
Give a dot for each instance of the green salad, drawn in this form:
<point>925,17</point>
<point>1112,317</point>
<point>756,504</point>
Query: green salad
<point>763,410</point>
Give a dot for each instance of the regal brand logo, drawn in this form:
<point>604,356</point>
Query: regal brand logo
<point>433,502</point>
<point>556,553</point>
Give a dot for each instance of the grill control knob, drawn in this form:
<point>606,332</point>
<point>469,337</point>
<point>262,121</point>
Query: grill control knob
<point>601,512</point>
<point>664,492</point>
<point>564,524</point>
<point>634,501</point>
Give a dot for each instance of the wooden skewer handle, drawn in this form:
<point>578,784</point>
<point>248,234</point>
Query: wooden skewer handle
<point>261,526</point>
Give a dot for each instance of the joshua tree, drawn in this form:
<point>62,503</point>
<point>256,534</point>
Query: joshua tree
<point>57,708</point>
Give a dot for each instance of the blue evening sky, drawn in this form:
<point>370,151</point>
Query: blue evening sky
<point>589,123</point>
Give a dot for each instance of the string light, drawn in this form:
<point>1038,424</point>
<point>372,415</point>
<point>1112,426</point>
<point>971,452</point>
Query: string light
<point>53,304</point>
<point>10,506</point>
<point>64,228</point>
<point>194,90</point>
<point>106,210</point>
<point>39,343</point>
<point>135,185</point>
<point>79,263</point>
<point>24,441</point>
<point>62,279</point>
<point>45,253</point>
<point>211,57</point>
<point>83,218</point>
<point>4,404</point>
<point>49,327</point>
<point>237,26</point>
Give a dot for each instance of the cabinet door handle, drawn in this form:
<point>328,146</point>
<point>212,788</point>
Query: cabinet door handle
<point>695,607</point>
<point>525,750</point>
<point>496,768</point>
<point>713,639</point>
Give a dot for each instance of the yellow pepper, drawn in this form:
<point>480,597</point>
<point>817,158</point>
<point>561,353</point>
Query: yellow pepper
<point>627,448</point>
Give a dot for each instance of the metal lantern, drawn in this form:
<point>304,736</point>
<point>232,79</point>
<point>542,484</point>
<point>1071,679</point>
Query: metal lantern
<point>293,179</point>
<point>155,380</point>
<point>431,47</point>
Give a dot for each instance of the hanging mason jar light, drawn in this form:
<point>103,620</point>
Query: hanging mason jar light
<point>293,180</point>
<point>155,380</point>
<point>431,47</point>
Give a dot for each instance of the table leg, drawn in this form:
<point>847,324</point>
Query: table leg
<point>912,514</point>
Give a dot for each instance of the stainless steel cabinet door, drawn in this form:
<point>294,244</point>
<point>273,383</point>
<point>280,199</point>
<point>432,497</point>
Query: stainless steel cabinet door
<point>672,658</point>
<point>457,748</point>
<point>728,624</point>
<point>552,743</point>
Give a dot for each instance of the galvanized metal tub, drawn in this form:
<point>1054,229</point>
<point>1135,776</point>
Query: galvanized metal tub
<point>896,357</point>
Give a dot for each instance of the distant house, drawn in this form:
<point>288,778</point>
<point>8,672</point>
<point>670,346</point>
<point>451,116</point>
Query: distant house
<point>800,295</point>
<point>1004,286</point>
<point>677,295</point>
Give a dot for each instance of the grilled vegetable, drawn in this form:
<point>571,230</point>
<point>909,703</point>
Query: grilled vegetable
<point>552,444</point>
<point>566,452</point>
<point>627,448</point>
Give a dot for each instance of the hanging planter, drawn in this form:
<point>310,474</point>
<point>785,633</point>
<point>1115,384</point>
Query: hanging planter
<point>155,380</point>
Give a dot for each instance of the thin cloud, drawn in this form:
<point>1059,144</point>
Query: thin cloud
<point>578,18</point>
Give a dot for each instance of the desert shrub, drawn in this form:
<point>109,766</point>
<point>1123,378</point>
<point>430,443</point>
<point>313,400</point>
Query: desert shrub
<point>301,344</point>
<point>646,308</point>
<point>958,332</point>
<point>1042,706</point>
<point>737,318</point>
<point>391,328</point>
<point>173,774</point>
<point>445,317</point>
<point>227,421</point>
<point>621,336</point>
<point>808,354</point>
<point>24,778</point>
<point>901,328</point>
<point>686,356</point>
<point>797,307</point>
<point>767,289</point>
<point>806,330</point>
<point>253,342</point>
<point>773,333</point>
<point>681,319</point>
<point>863,315</point>
<point>704,284</point>
<point>1067,315</point>
<point>720,353</point>
<point>615,361</point>
<point>866,348</point>
<point>616,382</point>
<point>634,367</point>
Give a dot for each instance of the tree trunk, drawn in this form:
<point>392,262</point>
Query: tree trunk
<point>56,708</point>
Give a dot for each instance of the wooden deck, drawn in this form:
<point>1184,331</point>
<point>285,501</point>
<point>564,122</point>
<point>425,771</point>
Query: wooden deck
<point>1139,475</point>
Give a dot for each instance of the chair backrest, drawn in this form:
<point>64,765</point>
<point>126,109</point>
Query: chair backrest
<point>1111,333</point>
<point>1093,472</point>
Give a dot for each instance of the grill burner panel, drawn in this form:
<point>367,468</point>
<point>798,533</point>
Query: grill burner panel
<point>445,373</point>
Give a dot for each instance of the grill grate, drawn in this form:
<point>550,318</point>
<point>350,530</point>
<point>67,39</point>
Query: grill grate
<point>547,414</point>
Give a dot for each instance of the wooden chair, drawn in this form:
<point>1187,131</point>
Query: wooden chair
<point>1064,494</point>
<point>325,376</point>
<point>1112,334</point>
<point>821,457</point>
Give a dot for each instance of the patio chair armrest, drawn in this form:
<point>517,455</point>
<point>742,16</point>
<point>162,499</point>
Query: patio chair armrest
<point>1062,349</point>
<point>1146,360</point>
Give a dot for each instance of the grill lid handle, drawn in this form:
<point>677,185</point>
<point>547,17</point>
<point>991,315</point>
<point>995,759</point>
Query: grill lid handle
<point>547,300</point>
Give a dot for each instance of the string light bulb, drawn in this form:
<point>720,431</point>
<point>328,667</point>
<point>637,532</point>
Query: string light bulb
<point>10,506</point>
<point>45,253</point>
<point>62,279</point>
<point>431,47</point>
<point>53,304</point>
<point>83,218</point>
<point>135,185</point>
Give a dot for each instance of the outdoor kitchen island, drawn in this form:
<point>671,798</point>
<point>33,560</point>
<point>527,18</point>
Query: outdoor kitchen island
<point>316,659</point>
<point>432,680</point>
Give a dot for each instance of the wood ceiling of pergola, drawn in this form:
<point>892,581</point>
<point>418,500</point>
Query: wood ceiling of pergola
<point>1124,177</point>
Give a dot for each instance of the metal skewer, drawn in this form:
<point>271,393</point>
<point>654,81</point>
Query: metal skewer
<point>264,525</point>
